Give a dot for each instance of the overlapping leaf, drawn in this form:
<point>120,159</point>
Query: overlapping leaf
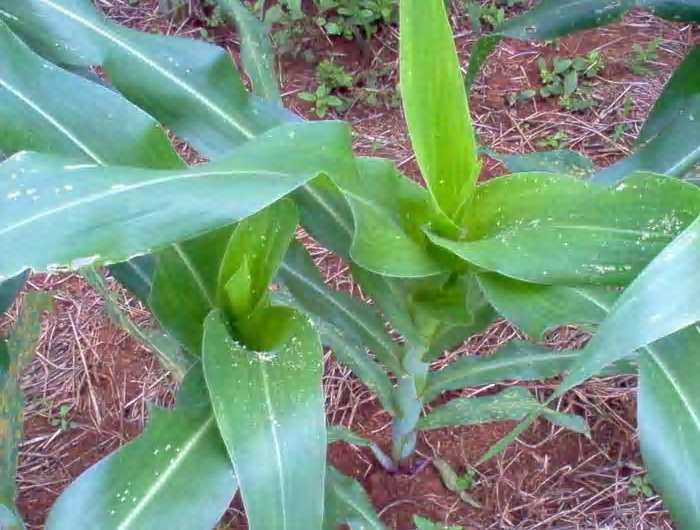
<point>256,49</point>
<point>351,317</point>
<point>668,142</point>
<point>110,214</point>
<point>190,86</point>
<point>347,503</point>
<point>511,404</point>
<point>549,229</point>
<point>15,355</point>
<point>389,211</point>
<point>537,309</point>
<point>175,475</point>
<point>669,422</point>
<point>550,19</point>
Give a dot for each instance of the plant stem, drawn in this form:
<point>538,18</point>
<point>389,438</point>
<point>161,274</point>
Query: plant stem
<point>409,404</point>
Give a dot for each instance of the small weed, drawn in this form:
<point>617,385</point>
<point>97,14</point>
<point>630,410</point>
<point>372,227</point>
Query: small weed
<point>492,13</point>
<point>331,78</point>
<point>59,419</point>
<point>554,141</point>
<point>621,128</point>
<point>642,56</point>
<point>333,75</point>
<point>639,486</point>
<point>426,524</point>
<point>347,17</point>
<point>515,98</point>
<point>563,79</point>
<point>322,100</point>
<point>375,93</point>
<point>457,483</point>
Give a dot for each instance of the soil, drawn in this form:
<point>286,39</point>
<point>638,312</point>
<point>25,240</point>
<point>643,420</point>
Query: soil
<point>550,479</point>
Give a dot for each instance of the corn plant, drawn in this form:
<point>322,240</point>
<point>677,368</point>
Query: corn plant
<point>84,170</point>
<point>200,245</point>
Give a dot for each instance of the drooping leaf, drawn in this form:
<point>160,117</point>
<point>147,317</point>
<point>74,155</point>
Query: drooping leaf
<point>480,51</point>
<point>660,302</point>
<point>517,360</point>
<point>552,229</point>
<point>352,318</point>
<point>669,422</point>
<point>165,347</point>
<point>346,502</point>
<point>389,210</point>
<point>256,49</point>
<point>190,86</point>
<point>175,475</point>
<point>339,433</point>
<point>9,289</point>
<point>561,162</point>
<point>668,141</point>
<point>347,350</point>
<point>550,19</point>
<point>269,408</point>
<point>326,215</point>
<point>355,356</point>
<point>435,105</point>
<point>111,214</point>
<point>42,108</point>
<point>436,312</point>
<point>15,354</point>
<point>537,309</point>
<point>511,404</point>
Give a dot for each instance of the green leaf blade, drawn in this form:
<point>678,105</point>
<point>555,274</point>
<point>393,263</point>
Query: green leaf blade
<point>111,214</point>
<point>175,475</point>
<point>549,229</point>
<point>669,423</point>
<point>190,86</point>
<point>257,54</point>
<point>435,105</point>
<point>269,409</point>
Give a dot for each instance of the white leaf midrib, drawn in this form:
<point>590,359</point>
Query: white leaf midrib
<point>52,120</point>
<point>154,65</point>
<point>163,478</point>
<point>276,443</point>
<point>170,178</point>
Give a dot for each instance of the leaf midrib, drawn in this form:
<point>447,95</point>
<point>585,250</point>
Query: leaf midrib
<point>129,188</point>
<point>275,442</point>
<point>51,120</point>
<point>163,478</point>
<point>155,66</point>
<point>677,387</point>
